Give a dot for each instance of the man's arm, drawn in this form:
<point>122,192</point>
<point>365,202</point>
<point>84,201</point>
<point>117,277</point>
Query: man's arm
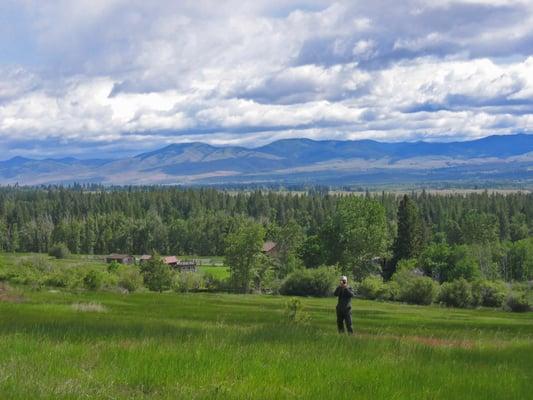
<point>350,292</point>
<point>337,291</point>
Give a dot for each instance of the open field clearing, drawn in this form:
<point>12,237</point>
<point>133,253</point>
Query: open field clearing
<point>62,345</point>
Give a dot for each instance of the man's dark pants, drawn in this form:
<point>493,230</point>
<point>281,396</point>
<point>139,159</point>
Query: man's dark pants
<point>344,315</point>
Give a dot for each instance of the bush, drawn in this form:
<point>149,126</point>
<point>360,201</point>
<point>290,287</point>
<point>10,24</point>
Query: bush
<point>157,276</point>
<point>22,274</point>
<point>37,262</point>
<point>407,265</point>
<point>113,266</point>
<point>130,279</point>
<point>517,302</point>
<point>294,312</point>
<point>391,291</point>
<point>59,250</point>
<point>489,293</point>
<point>404,275</point>
<point>309,282</point>
<point>418,290</point>
<point>73,276</point>
<point>372,287</point>
<point>188,281</point>
<point>456,294</point>
<point>93,280</point>
<point>271,284</point>
<point>58,279</point>
<point>212,282</point>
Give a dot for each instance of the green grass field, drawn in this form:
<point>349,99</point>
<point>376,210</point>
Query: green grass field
<point>217,271</point>
<point>198,346</point>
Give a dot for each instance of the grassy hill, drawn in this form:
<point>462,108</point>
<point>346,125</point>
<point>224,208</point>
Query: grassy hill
<point>64,345</point>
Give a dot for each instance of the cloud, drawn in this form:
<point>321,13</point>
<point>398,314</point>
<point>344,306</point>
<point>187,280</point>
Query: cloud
<point>307,83</point>
<point>116,75</point>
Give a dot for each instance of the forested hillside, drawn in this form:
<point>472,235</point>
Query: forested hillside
<point>449,236</point>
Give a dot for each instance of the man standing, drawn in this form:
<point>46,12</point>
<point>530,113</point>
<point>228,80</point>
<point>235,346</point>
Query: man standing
<point>344,305</point>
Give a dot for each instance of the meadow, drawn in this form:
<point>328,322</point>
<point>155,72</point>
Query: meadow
<point>101,345</point>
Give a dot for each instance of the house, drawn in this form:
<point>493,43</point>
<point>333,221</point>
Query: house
<point>174,262</point>
<point>270,248</point>
<point>120,258</point>
<point>187,265</point>
<point>142,259</point>
<point>168,260</point>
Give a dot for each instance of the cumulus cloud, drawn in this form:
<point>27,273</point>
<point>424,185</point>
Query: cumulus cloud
<point>126,76</point>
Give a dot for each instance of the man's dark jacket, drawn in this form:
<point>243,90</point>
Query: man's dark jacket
<point>345,297</point>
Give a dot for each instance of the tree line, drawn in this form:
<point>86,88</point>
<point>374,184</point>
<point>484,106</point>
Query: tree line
<point>446,237</point>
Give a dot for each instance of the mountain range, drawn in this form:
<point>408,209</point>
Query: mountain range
<point>334,162</point>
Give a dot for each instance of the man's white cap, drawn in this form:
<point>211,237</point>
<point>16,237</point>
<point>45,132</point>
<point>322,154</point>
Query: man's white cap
<point>344,278</point>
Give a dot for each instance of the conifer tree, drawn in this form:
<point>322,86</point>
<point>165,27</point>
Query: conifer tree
<point>409,239</point>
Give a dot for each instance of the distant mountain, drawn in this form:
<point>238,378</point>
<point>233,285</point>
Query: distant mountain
<point>501,158</point>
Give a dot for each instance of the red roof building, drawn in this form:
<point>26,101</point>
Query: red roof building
<point>270,248</point>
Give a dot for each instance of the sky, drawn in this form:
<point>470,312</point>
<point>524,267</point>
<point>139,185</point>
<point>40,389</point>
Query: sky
<point>109,78</point>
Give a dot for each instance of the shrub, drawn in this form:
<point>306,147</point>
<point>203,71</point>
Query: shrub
<point>93,280</point>
<point>294,311</point>
<point>404,275</point>
<point>309,282</point>
<point>23,274</point>
<point>58,279</point>
<point>113,266</point>
<point>418,290</point>
<point>36,262</point>
<point>407,265</point>
<point>188,281</point>
<point>270,283</point>
<point>213,282</point>
<point>391,291</point>
<point>157,276</point>
<point>457,293</point>
<point>74,276</point>
<point>59,250</point>
<point>130,279</point>
<point>489,293</point>
<point>372,287</point>
<point>272,286</point>
<point>517,302</point>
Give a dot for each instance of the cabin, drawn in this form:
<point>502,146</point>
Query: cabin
<point>120,258</point>
<point>168,260</point>
<point>270,248</point>
<point>174,262</point>
<point>142,259</point>
<point>187,265</point>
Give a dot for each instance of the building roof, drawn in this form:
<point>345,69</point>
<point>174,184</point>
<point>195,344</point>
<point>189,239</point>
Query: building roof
<point>186,263</point>
<point>170,260</point>
<point>269,246</point>
<point>164,259</point>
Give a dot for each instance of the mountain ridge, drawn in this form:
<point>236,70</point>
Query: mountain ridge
<point>293,160</point>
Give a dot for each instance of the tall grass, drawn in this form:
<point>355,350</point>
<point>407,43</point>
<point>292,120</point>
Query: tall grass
<point>198,346</point>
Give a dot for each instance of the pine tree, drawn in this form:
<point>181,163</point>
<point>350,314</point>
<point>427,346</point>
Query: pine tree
<point>409,239</point>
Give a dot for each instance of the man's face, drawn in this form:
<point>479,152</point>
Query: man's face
<point>343,282</point>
